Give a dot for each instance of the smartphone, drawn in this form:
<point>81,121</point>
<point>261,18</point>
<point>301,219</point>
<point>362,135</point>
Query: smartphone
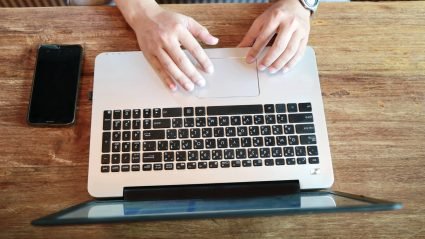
<point>55,85</point>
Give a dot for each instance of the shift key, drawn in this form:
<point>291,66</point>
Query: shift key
<point>153,134</point>
<point>152,157</point>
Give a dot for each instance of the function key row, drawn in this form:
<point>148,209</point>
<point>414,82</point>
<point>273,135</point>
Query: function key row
<point>209,110</point>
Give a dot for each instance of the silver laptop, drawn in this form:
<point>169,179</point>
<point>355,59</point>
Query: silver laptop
<point>243,126</point>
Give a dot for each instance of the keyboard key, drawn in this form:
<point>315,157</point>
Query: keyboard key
<point>207,132</point>
<point>212,121</point>
<point>174,144</point>
<point>136,135</point>
<point>202,165</point>
<point>188,111</point>
<point>169,166</point>
<point>288,129</point>
<point>304,107</point>
<point>213,164</point>
<point>162,145</point>
<point>246,163</point>
<point>149,145</point>
<point>125,168</point>
<point>157,166</point>
<point>235,120</point>
<point>269,141</point>
<point>217,154</point>
<point>189,122</point>
<point>257,141</point>
<point>168,156</point>
<point>156,113</point>
<point>116,147</point>
<point>136,124</point>
<point>270,119</point>
<point>222,143</point>
<point>177,122</point>
<point>234,109</point>
<point>210,144</point>
<point>126,135</point>
<point>126,114</point>
<point>247,120</point>
<point>147,124</point>
<point>293,139</point>
<point>304,128</point>
<point>229,153</point>
<point>136,114</point>
<point>152,157</point>
<point>252,153</point>
<point>106,142</point>
<point>105,159</point>
<point>288,151</point>
<point>300,118</point>
<point>200,111</point>
<point>125,158</point>
<point>225,164</point>
<point>280,161</point>
<point>147,167</point>
<point>171,134</point>
<point>230,131</point>
<point>183,133</point>
<point>313,160</point>
<point>277,129</point>
<point>198,144</point>
<point>153,134</point>
<point>126,124</point>
<point>258,119</point>
<point>234,142</point>
<point>219,132</point>
<point>187,144</point>
<point>280,108</point>
<point>223,120</point>
<point>300,151</point>
<point>115,168</point>
<point>181,156</point>
<point>240,153</point>
<point>276,152</point>
<point>135,158</point>
<point>290,161</point>
<point>308,139</point>
<point>281,140</point>
<point>117,114</point>
<point>147,113</point>
<point>242,131</point>
<point>301,161</point>
<point>269,108</point>
<point>191,165</point>
<point>282,119</point>
<point>116,158</point>
<point>269,162</point>
<point>161,123</point>
<point>257,162</point>
<point>135,167</point>
<point>265,152</point>
<point>292,108</point>
<point>195,133</point>
<point>107,119</point>
<point>312,150</point>
<point>201,122</point>
<point>246,142</point>
<point>254,130</point>
<point>236,163</point>
<point>205,155</point>
<point>192,155</point>
<point>180,166</point>
<point>171,112</point>
<point>116,125</point>
<point>265,130</point>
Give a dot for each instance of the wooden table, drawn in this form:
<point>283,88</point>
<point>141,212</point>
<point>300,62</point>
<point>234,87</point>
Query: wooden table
<point>371,58</point>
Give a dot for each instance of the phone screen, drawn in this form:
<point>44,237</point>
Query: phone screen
<point>55,86</point>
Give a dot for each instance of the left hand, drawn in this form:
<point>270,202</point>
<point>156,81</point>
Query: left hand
<point>291,22</point>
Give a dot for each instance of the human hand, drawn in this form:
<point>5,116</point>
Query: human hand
<point>290,21</point>
<point>161,33</point>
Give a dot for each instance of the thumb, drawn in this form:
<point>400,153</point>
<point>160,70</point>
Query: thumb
<point>201,33</point>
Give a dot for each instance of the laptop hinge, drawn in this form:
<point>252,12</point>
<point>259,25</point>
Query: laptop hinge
<point>206,191</point>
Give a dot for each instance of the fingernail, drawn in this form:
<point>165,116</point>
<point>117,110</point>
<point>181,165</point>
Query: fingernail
<point>272,70</point>
<point>212,40</point>
<point>172,87</point>
<point>210,69</point>
<point>189,86</point>
<point>201,82</point>
<point>250,59</point>
<point>285,69</point>
<point>261,67</point>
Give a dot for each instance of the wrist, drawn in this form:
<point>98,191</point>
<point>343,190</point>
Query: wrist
<point>136,11</point>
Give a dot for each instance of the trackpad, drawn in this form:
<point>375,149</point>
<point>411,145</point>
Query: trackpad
<point>232,77</point>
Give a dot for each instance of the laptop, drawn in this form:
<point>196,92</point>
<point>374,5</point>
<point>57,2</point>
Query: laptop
<point>248,143</point>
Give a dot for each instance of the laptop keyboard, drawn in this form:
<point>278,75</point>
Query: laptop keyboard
<point>195,138</point>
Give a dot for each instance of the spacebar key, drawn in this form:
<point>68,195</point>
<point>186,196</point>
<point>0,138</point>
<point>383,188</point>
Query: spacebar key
<point>152,157</point>
<point>234,109</point>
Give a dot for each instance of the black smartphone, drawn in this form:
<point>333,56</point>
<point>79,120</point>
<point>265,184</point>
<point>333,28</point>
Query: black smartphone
<point>55,85</point>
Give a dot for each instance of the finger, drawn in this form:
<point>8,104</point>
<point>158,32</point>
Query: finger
<point>156,65</point>
<point>190,43</point>
<point>260,43</point>
<point>173,71</point>
<point>278,48</point>
<point>297,57</point>
<point>288,54</point>
<point>201,32</point>
<point>184,64</point>
<point>251,35</point>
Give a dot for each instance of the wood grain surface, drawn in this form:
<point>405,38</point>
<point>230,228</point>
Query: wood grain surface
<point>371,59</point>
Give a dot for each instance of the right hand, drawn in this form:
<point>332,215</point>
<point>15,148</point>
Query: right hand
<point>161,34</point>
